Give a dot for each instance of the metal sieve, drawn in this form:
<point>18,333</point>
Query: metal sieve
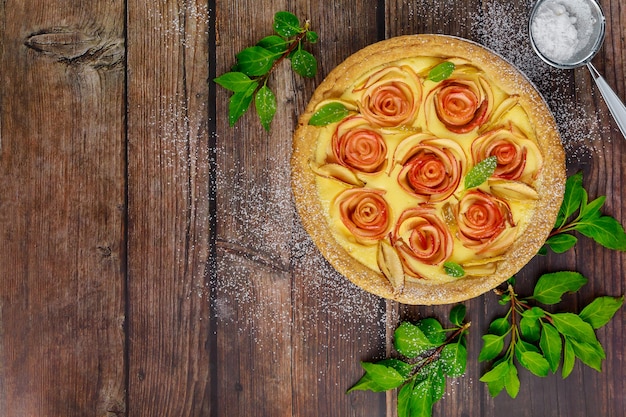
<point>584,56</point>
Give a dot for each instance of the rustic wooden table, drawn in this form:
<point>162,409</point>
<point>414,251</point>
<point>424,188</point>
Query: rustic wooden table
<point>151,260</point>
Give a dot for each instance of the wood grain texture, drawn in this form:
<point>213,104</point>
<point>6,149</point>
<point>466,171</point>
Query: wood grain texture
<point>151,259</point>
<point>168,200</point>
<point>61,210</point>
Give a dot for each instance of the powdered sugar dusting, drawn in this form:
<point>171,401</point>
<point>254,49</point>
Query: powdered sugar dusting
<point>500,29</point>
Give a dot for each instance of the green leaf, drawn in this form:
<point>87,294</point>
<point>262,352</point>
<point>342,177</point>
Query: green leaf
<point>329,113</point>
<point>265,103</point>
<point>551,345</point>
<point>312,36</point>
<point>410,341</point>
<point>601,310</point>
<point>551,287</point>
<point>274,44</point>
<point>492,347</point>
<point>234,81</point>
<point>511,382</point>
<point>404,399</point>
<point>402,367</point>
<point>534,312</point>
<point>437,381</point>
<point>499,371</point>
<point>239,103</point>
<point>379,378</point>
<point>454,359</point>
<point>591,354</point>
<point>572,198</point>
<point>562,242</point>
<point>421,400</point>
<point>453,269</point>
<point>441,72</point>
<point>481,172</point>
<point>304,63</point>
<point>457,314</point>
<point>591,211</point>
<point>500,326</point>
<point>530,328</point>
<point>433,330</point>
<point>286,24</point>
<point>569,324</point>
<point>605,230</point>
<point>255,60</point>
<point>569,358</point>
<point>535,363</point>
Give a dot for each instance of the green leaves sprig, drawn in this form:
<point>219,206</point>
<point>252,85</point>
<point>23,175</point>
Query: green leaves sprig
<point>542,341</point>
<point>579,214</point>
<point>427,357</point>
<point>248,78</point>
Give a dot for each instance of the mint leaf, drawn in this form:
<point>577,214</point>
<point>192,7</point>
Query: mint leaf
<point>441,71</point>
<point>265,103</point>
<point>500,326</point>
<point>404,399</point>
<point>605,230</point>
<point>571,199</point>
<point>274,44</point>
<point>256,61</point>
<point>535,363</point>
<point>410,341</point>
<point>601,310</point>
<point>492,347</point>
<point>570,324</point>
<point>312,36</point>
<point>329,113</point>
<point>591,354</point>
<point>457,314</point>
<point>591,211</point>
<point>421,400</point>
<point>378,377</point>
<point>286,24</point>
<point>511,382</point>
<point>551,345</point>
<point>561,243</point>
<point>569,359</point>
<point>454,359</point>
<point>530,328</point>
<point>433,330</point>
<point>453,269</point>
<point>481,172</point>
<point>551,287</point>
<point>304,63</point>
<point>403,368</point>
<point>234,81</point>
<point>239,103</point>
<point>534,312</point>
<point>497,372</point>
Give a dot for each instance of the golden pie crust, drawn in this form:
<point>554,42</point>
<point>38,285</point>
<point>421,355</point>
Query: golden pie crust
<point>534,219</point>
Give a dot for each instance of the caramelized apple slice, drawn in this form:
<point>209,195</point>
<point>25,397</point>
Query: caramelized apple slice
<point>391,266</point>
<point>513,189</point>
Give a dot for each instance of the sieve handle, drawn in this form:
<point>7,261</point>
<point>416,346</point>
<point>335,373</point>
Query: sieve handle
<point>612,100</point>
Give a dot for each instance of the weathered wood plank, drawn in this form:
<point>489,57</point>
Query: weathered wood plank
<point>168,203</point>
<point>62,207</point>
<point>285,321</point>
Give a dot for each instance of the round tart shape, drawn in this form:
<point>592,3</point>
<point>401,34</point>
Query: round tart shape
<point>442,177</point>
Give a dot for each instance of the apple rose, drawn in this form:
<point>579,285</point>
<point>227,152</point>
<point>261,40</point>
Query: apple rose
<point>431,168</point>
<point>391,96</point>
<point>485,223</point>
<point>365,213</point>
<point>461,103</point>
<point>422,237</point>
<point>518,157</point>
<point>355,144</point>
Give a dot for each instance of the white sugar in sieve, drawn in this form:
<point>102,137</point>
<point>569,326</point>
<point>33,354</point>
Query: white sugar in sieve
<point>567,34</point>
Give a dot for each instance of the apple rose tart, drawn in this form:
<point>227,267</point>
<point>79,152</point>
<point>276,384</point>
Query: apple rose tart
<point>427,169</point>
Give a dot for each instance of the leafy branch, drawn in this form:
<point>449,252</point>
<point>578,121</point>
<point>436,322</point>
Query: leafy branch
<point>249,76</point>
<point>539,340</point>
<point>578,214</point>
<point>427,356</point>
